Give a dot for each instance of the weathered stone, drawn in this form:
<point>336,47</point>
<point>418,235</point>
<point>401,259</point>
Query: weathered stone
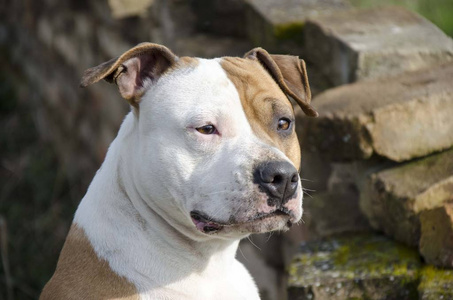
<point>362,44</point>
<point>333,213</point>
<point>271,22</point>
<point>314,169</point>
<point>354,267</point>
<point>436,240</point>
<point>350,176</point>
<point>435,284</point>
<point>266,276</point>
<point>128,8</point>
<point>398,118</point>
<point>195,45</point>
<point>331,202</point>
<point>392,199</point>
<point>226,17</point>
<point>111,42</point>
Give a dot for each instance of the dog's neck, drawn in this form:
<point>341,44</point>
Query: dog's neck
<point>138,242</point>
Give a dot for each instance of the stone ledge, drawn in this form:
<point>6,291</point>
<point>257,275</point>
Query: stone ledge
<point>436,240</point>
<point>371,43</point>
<point>129,8</point>
<point>354,267</point>
<point>393,199</point>
<point>270,22</point>
<point>399,118</point>
<point>332,213</point>
<point>435,284</point>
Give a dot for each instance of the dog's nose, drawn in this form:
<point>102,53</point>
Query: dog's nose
<point>278,179</point>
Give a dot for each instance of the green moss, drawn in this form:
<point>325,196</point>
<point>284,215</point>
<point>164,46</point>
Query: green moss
<point>433,279</point>
<point>356,257</point>
<point>289,31</point>
<point>355,266</point>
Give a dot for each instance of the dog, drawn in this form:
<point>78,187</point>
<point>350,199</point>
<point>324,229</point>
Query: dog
<point>207,156</point>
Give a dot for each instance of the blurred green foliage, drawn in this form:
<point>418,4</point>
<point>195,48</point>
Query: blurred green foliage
<point>440,12</point>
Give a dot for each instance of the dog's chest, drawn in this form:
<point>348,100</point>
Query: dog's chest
<point>162,271</point>
<point>219,285</point>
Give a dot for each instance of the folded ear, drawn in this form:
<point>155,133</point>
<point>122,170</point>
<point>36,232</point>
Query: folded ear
<point>133,70</point>
<point>291,75</point>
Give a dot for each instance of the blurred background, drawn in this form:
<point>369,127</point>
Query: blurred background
<point>373,66</point>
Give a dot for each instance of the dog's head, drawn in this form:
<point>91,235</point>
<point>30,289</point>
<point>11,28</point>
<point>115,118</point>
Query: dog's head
<point>213,145</point>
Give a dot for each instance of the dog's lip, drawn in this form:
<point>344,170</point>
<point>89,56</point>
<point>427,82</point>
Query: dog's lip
<point>203,223</point>
<point>206,224</point>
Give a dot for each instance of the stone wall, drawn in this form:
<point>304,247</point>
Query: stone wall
<point>377,160</point>
<point>384,137</point>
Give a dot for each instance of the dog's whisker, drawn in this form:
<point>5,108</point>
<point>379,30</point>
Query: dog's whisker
<point>269,237</point>
<point>305,179</point>
<point>251,242</point>
<point>242,253</point>
<point>308,194</point>
<point>218,192</point>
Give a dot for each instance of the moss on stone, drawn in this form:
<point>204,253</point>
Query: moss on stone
<point>289,31</point>
<point>355,266</point>
<point>435,283</point>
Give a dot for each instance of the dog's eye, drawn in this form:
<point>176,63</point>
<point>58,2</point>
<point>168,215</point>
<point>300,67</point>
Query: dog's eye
<point>207,129</point>
<point>283,124</point>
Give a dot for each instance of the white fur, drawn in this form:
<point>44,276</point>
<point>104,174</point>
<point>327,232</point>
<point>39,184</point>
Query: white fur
<point>136,212</point>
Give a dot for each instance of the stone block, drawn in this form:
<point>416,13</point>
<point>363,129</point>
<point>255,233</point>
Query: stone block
<point>393,199</point>
<point>314,169</point>
<point>315,172</point>
<point>332,213</point>
<point>435,284</point>
<point>225,17</point>
<point>348,177</point>
<point>195,45</point>
<point>354,267</point>
<point>266,276</point>
<point>361,44</point>
<point>111,43</point>
<point>399,118</point>
<point>129,8</point>
<point>271,22</point>
<point>436,239</point>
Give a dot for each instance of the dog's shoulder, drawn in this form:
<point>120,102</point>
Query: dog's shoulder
<point>80,274</point>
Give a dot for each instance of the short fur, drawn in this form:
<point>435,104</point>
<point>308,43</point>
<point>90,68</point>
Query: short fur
<point>133,235</point>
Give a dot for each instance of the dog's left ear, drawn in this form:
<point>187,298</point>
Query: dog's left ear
<point>133,70</point>
<point>291,75</point>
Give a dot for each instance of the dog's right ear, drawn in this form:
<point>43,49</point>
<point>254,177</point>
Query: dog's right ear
<point>133,70</point>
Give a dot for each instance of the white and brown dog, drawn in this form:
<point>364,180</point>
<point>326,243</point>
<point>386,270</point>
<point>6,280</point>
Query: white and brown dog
<point>207,155</point>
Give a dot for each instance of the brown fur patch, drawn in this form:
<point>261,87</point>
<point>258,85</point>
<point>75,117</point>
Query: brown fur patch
<point>186,62</point>
<point>264,103</point>
<point>80,274</point>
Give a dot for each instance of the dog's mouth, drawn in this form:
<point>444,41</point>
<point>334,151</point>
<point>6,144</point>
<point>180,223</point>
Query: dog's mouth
<point>208,225</point>
<point>204,223</point>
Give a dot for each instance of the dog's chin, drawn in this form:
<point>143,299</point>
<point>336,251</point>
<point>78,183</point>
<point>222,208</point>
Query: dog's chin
<point>260,223</point>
